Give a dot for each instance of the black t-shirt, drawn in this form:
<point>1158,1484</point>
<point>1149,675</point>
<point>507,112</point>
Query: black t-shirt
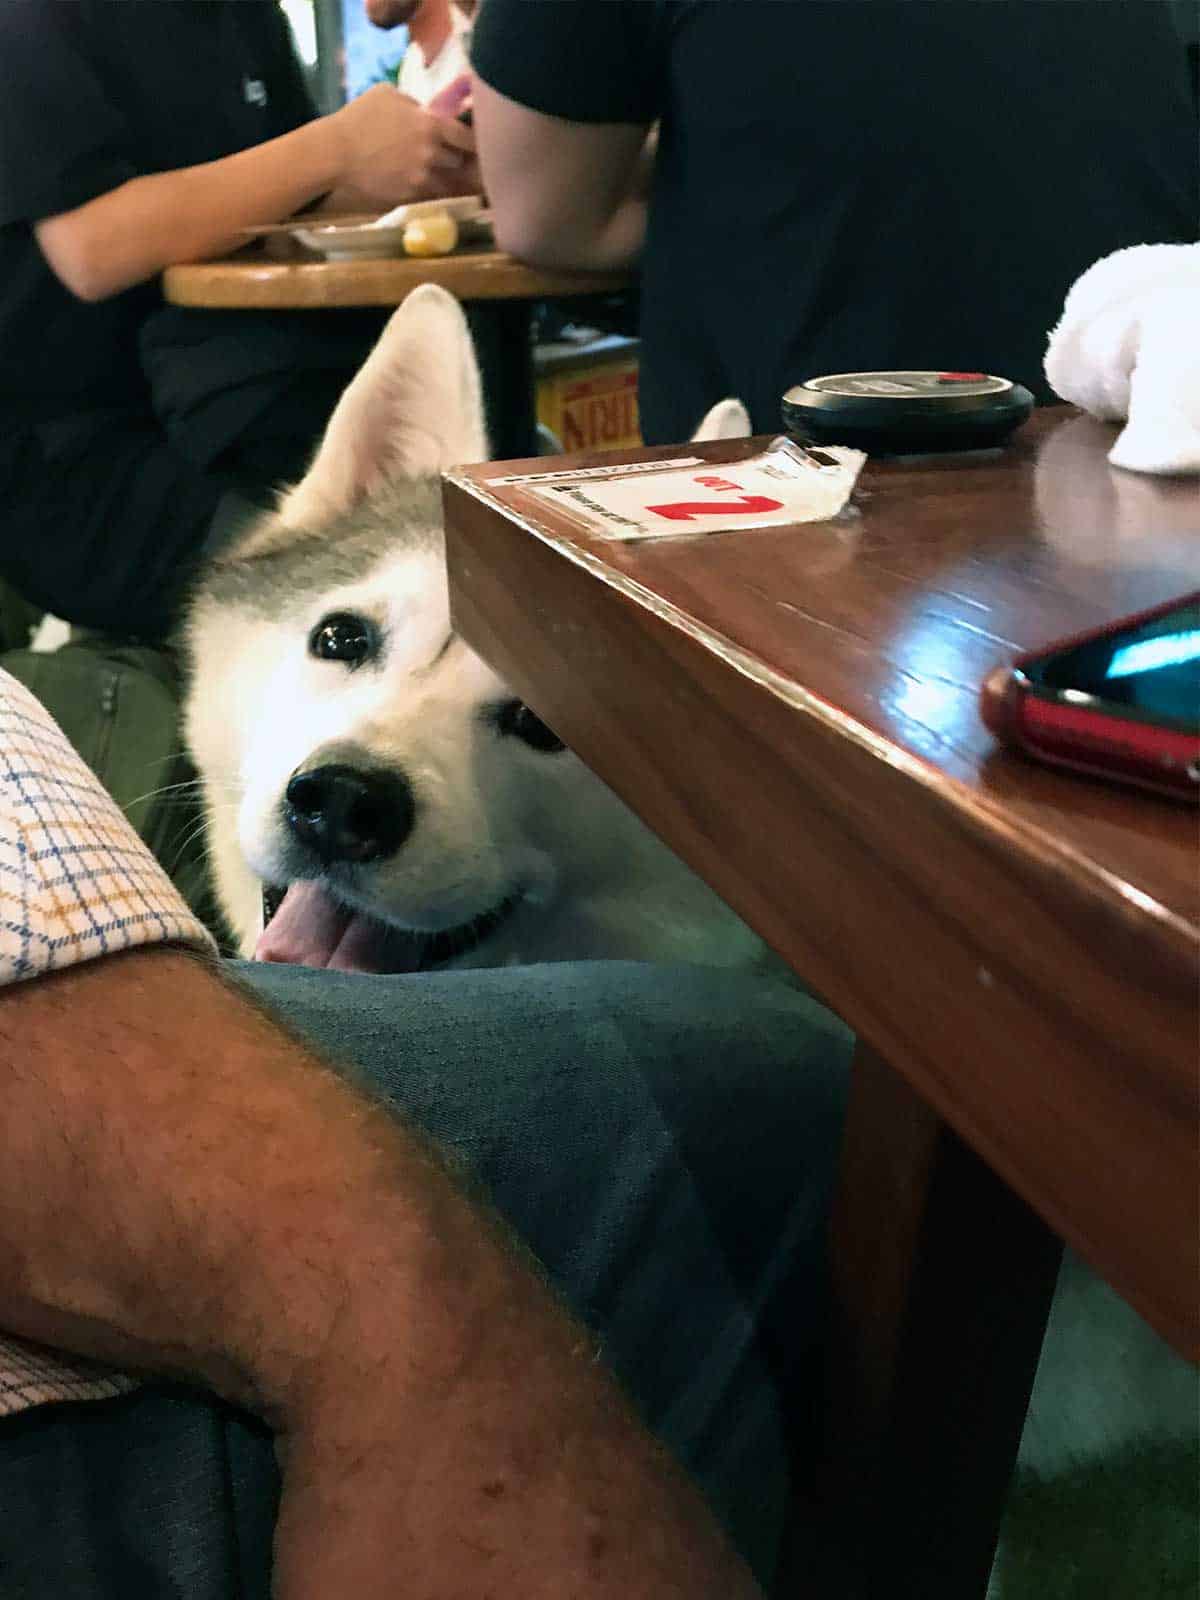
<point>93,93</point>
<point>850,184</point>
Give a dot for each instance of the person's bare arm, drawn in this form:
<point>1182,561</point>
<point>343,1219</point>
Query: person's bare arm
<point>380,149</point>
<point>185,1189</point>
<point>563,194</point>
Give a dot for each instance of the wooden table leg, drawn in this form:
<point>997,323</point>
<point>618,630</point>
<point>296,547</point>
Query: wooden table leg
<point>941,1285</point>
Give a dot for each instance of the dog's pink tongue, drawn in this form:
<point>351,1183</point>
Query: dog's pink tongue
<point>307,929</point>
<point>311,929</point>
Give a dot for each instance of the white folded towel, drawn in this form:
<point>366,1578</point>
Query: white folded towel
<point>1128,347</point>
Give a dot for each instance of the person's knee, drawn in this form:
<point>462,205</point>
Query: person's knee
<point>698,1039</point>
<point>744,1077</point>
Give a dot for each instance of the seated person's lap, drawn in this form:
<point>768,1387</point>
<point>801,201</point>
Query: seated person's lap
<point>662,1139</point>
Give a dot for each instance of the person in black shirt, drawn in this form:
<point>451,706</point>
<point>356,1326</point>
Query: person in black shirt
<point>839,185</point>
<point>134,135</point>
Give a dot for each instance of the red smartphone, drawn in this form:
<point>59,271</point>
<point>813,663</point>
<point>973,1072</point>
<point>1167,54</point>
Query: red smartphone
<point>1121,701</point>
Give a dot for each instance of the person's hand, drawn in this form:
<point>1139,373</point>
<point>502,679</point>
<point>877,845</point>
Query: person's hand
<point>394,150</point>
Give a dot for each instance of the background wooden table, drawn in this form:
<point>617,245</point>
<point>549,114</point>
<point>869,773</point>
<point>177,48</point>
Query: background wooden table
<point>503,289</point>
<point>254,281</point>
<point>795,711</point>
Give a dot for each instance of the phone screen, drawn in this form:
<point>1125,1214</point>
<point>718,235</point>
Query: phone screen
<point>1151,670</point>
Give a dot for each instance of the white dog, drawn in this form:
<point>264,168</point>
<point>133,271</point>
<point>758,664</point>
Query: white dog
<point>359,759</point>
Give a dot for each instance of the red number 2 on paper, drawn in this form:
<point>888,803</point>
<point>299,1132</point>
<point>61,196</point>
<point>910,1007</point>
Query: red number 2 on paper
<point>748,505</point>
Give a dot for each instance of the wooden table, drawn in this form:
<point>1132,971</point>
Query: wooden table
<point>253,280</point>
<point>795,712</point>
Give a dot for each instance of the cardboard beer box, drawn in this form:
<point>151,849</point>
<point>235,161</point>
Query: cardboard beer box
<point>588,395</point>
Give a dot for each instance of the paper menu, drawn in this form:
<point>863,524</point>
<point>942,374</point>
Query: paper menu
<point>784,484</point>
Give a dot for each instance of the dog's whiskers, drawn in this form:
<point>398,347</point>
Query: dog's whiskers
<point>191,785</point>
<point>197,834</point>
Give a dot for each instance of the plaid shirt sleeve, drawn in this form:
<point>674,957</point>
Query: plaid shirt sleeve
<point>76,882</point>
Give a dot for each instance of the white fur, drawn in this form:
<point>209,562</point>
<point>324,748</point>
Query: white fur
<point>493,815</point>
<point>728,419</point>
<point>416,407</point>
<point>50,634</point>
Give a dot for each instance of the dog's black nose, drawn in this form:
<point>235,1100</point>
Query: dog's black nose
<point>345,814</point>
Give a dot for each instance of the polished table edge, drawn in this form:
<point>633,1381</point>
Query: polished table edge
<point>965,800</point>
<point>254,283</point>
<point>1166,942</point>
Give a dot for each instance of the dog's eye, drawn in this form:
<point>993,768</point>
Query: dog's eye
<point>343,637</point>
<point>515,719</point>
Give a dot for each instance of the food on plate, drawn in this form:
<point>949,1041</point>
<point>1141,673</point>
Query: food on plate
<point>434,234</point>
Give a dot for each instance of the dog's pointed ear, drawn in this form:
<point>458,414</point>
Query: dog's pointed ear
<point>728,419</point>
<point>414,408</point>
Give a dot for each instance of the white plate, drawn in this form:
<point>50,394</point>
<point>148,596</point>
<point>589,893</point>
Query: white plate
<point>385,236</point>
<point>265,230</point>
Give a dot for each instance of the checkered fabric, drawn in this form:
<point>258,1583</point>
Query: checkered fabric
<point>76,882</point>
